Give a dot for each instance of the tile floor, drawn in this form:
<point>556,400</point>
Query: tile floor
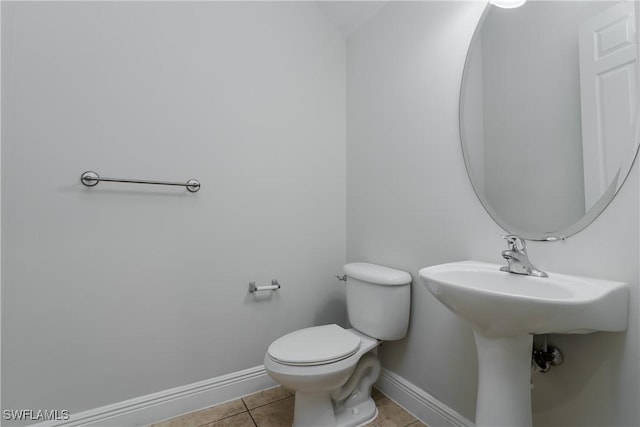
<point>274,408</point>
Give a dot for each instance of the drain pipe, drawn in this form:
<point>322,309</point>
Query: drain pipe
<point>542,359</point>
<point>358,388</point>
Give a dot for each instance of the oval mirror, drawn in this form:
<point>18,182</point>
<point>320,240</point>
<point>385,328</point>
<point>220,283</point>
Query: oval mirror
<point>548,112</point>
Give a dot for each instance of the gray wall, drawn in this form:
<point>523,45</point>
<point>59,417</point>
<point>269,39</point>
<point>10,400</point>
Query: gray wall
<point>410,205</point>
<point>118,291</point>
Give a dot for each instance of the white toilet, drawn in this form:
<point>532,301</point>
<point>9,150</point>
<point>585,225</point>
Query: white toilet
<point>332,369</point>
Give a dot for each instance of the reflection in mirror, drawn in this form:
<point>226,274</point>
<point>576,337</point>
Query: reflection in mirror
<point>548,112</point>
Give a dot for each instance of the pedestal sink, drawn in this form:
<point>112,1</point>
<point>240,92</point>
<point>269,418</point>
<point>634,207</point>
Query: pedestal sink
<point>506,310</point>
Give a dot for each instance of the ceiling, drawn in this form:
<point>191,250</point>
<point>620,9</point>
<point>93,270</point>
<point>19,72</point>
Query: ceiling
<point>349,15</point>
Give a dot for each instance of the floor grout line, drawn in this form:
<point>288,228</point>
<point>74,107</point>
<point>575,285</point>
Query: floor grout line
<point>228,416</point>
<point>250,414</point>
<point>252,419</point>
<point>260,406</point>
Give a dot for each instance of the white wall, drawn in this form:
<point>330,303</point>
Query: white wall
<point>410,205</point>
<point>120,290</point>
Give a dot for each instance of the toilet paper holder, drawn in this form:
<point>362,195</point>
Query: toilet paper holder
<point>274,286</point>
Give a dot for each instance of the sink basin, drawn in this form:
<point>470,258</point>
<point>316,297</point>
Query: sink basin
<point>500,304</point>
<point>505,310</point>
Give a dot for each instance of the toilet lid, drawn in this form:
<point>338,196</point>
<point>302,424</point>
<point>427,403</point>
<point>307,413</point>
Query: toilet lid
<point>318,345</point>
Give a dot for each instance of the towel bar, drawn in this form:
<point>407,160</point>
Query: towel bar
<point>91,179</point>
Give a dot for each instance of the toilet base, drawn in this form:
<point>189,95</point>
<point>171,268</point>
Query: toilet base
<point>358,415</point>
<point>317,409</point>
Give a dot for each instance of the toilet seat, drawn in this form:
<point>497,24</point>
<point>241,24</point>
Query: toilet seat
<point>318,345</point>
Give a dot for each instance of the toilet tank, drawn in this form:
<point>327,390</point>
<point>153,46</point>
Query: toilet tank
<point>378,300</point>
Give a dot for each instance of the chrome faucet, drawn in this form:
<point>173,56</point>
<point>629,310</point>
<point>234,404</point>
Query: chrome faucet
<point>517,258</point>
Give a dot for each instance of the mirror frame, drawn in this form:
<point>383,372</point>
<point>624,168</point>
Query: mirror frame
<point>592,213</point>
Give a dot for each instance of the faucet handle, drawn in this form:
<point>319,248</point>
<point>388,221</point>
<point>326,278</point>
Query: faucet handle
<point>516,243</point>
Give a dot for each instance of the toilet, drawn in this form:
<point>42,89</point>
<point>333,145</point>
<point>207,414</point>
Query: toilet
<point>331,369</point>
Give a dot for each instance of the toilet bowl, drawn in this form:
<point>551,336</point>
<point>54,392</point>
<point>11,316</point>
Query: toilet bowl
<point>331,369</point>
<point>317,382</point>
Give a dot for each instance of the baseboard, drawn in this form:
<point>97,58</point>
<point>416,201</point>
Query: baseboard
<point>421,404</point>
<point>144,410</point>
<point>171,403</point>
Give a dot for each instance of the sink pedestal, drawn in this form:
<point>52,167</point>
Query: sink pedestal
<point>504,381</point>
